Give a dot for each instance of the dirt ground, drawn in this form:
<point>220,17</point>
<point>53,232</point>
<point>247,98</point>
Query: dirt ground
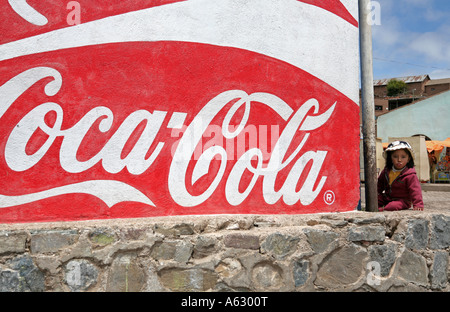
<point>436,197</point>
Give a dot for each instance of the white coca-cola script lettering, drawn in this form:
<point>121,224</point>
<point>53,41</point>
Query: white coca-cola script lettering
<point>113,192</point>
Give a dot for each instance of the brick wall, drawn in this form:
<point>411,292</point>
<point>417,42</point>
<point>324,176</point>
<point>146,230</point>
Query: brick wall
<point>437,88</point>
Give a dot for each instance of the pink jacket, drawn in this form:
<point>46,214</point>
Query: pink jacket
<point>406,186</point>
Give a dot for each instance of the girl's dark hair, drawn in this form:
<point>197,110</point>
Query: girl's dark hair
<point>389,162</point>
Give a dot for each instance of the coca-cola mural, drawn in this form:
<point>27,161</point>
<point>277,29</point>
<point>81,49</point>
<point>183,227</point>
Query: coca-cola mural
<point>123,109</point>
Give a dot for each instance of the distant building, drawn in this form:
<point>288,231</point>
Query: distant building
<point>417,88</point>
<point>437,86</point>
<point>428,117</point>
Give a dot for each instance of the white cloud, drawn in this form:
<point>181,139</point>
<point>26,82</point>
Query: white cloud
<point>432,46</point>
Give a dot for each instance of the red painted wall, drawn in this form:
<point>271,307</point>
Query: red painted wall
<point>93,128</point>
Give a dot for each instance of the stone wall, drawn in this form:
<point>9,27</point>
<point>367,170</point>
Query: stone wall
<point>357,251</point>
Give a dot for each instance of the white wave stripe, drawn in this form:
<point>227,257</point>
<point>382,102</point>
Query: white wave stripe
<point>109,191</point>
<point>303,35</point>
<point>27,12</point>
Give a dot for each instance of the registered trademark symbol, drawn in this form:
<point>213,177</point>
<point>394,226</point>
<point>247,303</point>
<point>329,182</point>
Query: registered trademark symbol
<point>329,197</point>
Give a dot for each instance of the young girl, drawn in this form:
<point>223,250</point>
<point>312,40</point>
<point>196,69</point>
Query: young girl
<point>398,184</point>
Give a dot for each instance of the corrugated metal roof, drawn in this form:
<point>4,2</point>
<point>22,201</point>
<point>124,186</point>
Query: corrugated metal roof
<point>407,79</point>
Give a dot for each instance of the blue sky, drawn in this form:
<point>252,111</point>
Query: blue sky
<point>412,38</point>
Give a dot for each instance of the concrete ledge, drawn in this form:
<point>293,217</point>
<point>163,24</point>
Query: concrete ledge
<point>436,187</point>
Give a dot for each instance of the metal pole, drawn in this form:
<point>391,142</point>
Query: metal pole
<point>367,106</point>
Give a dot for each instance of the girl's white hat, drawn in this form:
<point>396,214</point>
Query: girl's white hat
<point>396,145</point>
